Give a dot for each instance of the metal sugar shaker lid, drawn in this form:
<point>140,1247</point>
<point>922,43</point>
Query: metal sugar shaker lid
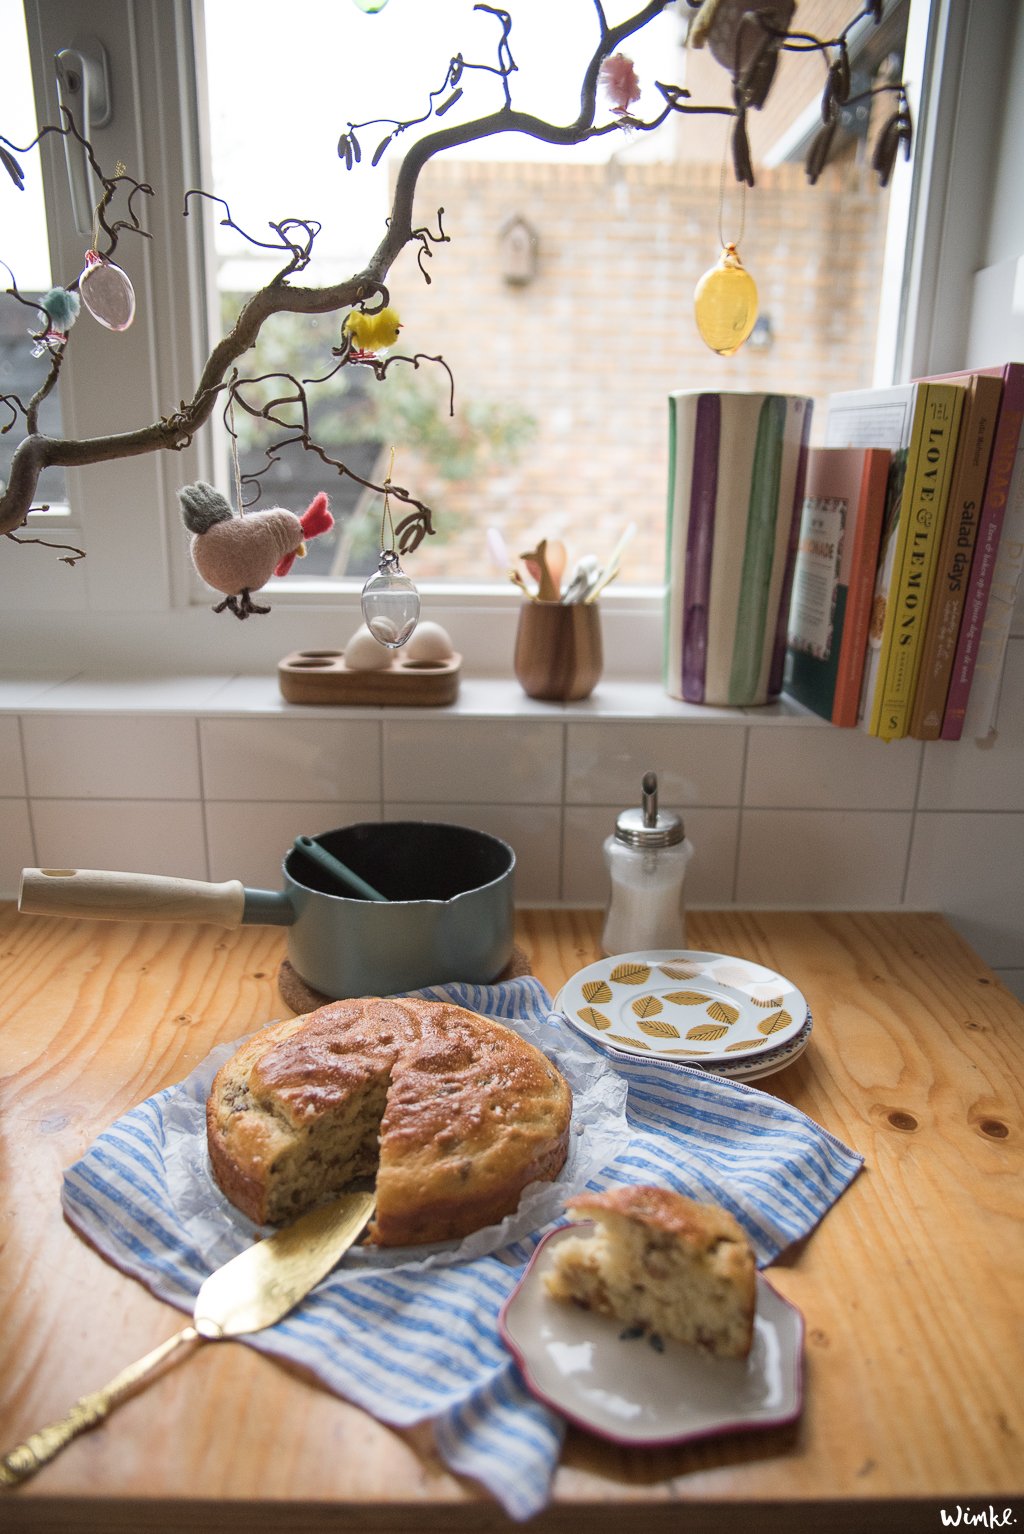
<point>649,827</point>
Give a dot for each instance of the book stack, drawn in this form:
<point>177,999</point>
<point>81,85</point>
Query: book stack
<point>909,557</point>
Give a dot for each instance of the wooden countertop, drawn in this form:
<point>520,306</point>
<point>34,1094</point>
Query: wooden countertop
<point>912,1288</point>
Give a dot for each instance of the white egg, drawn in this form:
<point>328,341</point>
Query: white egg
<point>363,653</point>
<point>429,642</point>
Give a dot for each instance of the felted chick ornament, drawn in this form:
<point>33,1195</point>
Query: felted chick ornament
<point>371,333</point>
<point>238,555</point>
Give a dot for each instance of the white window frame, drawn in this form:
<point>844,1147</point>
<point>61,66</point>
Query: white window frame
<point>135,586</point>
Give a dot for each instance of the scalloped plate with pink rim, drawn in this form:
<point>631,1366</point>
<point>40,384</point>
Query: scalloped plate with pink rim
<point>643,1393</point>
<point>690,1007</point>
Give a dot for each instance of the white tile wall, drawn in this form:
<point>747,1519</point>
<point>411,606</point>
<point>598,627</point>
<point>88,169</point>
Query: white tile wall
<point>817,768</point>
<point>698,764</point>
<point>215,780</point>
<point>972,867</point>
<point>12,771</point>
<point>248,840</point>
<point>473,761</point>
<point>330,760</point>
<point>983,777</point>
<point>101,756</point>
<point>828,859</point>
<point>17,849</point>
<point>139,836</point>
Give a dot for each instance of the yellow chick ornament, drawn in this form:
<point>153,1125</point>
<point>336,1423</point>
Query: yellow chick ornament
<point>372,333</point>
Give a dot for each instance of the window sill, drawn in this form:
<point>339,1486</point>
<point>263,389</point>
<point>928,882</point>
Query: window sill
<point>259,696</point>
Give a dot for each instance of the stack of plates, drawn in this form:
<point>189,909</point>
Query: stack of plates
<point>728,1016</point>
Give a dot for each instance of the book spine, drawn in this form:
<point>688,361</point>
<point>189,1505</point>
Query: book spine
<point>967,494</point>
<point>990,527</point>
<point>981,718</point>
<point>933,440</point>
<point>861,590</point>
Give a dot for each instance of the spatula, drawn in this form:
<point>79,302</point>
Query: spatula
<point>252,1291</point>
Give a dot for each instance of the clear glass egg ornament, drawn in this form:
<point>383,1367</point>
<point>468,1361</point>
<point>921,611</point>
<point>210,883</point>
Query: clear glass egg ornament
<point>107,292</point>
<point>390,603</point>
<point>725,304</point>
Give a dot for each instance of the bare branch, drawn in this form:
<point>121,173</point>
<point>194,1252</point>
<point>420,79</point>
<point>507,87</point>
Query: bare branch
<point>294,238</point>
<point>71,557</point>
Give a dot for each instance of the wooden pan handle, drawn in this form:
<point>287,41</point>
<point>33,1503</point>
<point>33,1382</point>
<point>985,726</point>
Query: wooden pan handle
<point>102,896</point>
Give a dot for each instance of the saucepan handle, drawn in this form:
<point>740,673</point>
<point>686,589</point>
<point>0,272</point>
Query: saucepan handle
<point>101,896</point>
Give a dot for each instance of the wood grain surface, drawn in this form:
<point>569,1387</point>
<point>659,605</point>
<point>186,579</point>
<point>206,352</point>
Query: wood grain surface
<point>912,1288</point>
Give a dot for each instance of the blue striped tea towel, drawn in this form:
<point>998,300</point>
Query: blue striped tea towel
<point>412,1336</point>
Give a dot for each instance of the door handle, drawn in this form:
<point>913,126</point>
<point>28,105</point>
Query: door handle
<point>83,87</point>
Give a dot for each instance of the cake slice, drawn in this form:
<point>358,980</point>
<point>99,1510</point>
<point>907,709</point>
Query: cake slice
<point>657,1260</point>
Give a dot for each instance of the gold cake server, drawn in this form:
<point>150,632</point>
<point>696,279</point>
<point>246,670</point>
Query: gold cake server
<point>252,1291</point>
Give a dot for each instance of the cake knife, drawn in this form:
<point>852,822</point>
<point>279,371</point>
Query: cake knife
<point>253,1290</point>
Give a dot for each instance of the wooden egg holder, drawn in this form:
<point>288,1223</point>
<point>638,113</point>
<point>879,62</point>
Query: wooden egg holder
<point>321,676</point>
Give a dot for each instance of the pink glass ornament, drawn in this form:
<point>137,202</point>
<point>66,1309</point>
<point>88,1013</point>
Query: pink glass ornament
<point>106,292</point>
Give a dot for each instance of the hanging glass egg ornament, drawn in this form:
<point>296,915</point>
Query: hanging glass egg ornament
<point>106,292</point>
<point>390,603</point>
<point>725,304</point>
<point>371,7</point>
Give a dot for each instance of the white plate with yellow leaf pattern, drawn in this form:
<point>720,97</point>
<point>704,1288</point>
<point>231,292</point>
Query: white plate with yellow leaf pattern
<point>704,1009</point>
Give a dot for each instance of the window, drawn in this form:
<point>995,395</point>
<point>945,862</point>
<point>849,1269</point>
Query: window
<point>27,256</point>
<point>563,303</point>
<point>583,300</point>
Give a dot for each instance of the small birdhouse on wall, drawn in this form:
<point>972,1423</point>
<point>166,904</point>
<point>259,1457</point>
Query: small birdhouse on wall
<point>519,247</point>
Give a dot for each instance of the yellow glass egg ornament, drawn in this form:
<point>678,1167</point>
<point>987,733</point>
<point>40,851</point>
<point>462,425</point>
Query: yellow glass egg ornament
<point>725,304</point>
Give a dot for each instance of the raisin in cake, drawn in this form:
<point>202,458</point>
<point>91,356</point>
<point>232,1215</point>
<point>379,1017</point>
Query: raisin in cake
<point>451,1113</point>
<point>663,1262</point>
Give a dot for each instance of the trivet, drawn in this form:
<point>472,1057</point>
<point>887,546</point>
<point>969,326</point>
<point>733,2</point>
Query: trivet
<point>295,993</point>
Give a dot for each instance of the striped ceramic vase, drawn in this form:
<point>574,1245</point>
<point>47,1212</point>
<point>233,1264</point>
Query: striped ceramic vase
<point>736,478</point>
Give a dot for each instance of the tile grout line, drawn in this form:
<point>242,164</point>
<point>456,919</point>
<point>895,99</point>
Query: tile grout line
<point>202,798</point>
<point>28,791</point>
<point>741,811</point>
<point>564,775</point>
<point>905,884</point>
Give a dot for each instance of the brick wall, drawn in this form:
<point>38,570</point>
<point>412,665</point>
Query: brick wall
<point>592,347</point>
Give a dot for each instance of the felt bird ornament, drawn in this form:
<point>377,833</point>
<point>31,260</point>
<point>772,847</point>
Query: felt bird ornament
<point>371,333</point>
<point>238,555</point>
<point>58,310</point>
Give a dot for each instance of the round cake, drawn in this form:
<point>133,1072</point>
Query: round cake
<point>451,1114</point>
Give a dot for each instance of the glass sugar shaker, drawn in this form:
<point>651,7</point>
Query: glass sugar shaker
<point>646,860</point>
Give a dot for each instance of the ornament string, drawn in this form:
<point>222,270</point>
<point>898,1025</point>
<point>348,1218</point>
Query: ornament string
<point>390,601</point>
<point>235,466</point>
<point>725,299</point>
<point>725,244</point>
<point>387,523</point>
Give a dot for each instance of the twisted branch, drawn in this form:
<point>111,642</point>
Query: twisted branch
<point>295,238</point>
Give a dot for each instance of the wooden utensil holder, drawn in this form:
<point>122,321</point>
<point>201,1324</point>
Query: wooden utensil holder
<point>558,653</point>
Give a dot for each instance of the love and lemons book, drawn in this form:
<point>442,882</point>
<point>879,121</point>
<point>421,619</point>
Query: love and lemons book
<point>983,394</point>
<point>834,579</point>
<point>973,697</point>
<point>923,418</point>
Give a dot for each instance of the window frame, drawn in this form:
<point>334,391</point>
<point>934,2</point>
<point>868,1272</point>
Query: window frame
<point>137,567</point>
